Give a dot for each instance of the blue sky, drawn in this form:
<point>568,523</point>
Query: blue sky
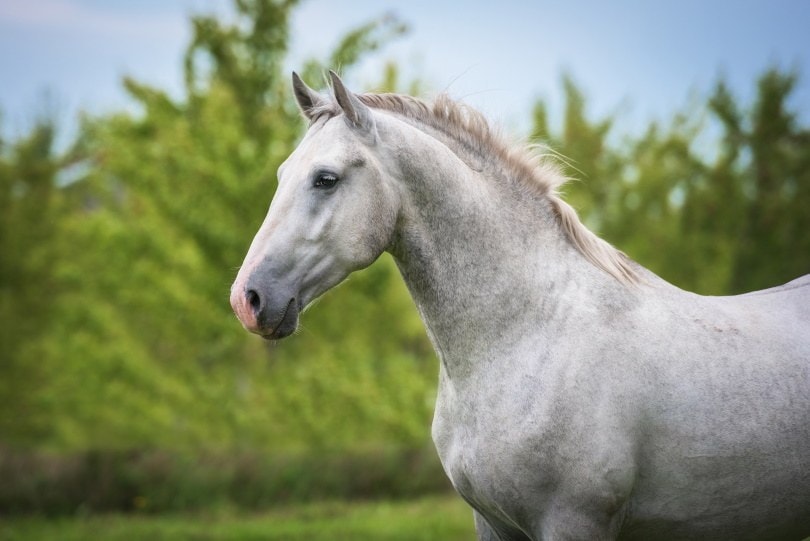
<point>642,59</point>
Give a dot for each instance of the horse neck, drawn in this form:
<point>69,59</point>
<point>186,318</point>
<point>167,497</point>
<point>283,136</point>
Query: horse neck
<point>484,258</point>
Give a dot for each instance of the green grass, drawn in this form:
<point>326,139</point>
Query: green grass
<point>432,518</point>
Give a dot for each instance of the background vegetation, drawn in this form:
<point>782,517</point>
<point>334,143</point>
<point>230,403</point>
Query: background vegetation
<point>127,384</point>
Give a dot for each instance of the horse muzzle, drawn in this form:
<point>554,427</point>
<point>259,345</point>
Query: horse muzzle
<point>266,307</point>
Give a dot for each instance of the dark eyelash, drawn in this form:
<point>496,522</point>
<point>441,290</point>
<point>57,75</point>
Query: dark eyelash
<point>325,180</point>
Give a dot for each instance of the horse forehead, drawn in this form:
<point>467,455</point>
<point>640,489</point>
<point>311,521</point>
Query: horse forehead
<point>331,141</point>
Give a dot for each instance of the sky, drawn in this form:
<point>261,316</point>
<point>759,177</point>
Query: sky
<point>641,60</point>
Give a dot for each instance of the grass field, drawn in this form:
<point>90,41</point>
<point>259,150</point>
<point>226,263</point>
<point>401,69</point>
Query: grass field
<point>444,518</point>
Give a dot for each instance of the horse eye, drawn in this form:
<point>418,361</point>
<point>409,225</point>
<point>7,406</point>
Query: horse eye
<point>325,180</point>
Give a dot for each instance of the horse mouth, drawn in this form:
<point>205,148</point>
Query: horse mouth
<point>287,324</point>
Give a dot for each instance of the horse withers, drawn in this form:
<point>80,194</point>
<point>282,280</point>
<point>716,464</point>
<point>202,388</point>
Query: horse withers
<point>580,396</point>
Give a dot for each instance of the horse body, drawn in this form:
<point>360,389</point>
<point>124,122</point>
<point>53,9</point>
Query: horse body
<point>728,424</point>
<point>625,431</point>
<point>580,396</point>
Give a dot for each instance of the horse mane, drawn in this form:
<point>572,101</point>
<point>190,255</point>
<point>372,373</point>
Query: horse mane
<point>470,129</point>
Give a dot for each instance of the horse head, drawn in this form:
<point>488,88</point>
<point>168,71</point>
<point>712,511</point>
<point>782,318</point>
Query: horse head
<point>334,212</point>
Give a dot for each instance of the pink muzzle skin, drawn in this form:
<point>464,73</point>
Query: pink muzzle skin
<point>241,306</point>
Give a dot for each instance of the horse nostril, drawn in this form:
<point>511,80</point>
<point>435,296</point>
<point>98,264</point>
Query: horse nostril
<point>254,300</point>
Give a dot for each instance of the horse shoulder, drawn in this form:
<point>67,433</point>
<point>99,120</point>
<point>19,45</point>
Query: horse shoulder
<point>538,438</point>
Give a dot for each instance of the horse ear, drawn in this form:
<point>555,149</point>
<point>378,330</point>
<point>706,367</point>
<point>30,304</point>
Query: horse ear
<point>358,113</point>
<point>307,98</point>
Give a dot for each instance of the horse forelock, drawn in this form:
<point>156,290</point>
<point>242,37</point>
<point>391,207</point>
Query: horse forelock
<point>533,165</point>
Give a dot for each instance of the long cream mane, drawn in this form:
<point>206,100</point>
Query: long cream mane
<point>469,129</point>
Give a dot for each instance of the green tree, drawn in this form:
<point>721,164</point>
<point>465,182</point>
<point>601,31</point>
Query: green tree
<point>584,150</point>
<point>770,153</point>
<point>158,215</point>
<point>715,222</point>
<point>30,212</point>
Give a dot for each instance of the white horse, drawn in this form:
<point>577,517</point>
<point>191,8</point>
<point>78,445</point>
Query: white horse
<point>580,396</point>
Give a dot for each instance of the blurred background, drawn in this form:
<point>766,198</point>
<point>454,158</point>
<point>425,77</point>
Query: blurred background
<point>138,148</point>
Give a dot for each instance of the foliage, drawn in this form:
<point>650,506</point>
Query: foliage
<point>159,481</point>
<point>434,518</point>
<point>30,209</point>
<point>717,217</point>
<point>133,342</point>
<point>117,257</point>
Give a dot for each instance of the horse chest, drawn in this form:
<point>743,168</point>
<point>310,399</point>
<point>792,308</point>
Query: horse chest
<point>513,455</point>
<point>480,474</point>
<point>486,461</point>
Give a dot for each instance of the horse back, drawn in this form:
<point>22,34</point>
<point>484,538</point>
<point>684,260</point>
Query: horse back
<point>786,308</point>
<point>794,294</point>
